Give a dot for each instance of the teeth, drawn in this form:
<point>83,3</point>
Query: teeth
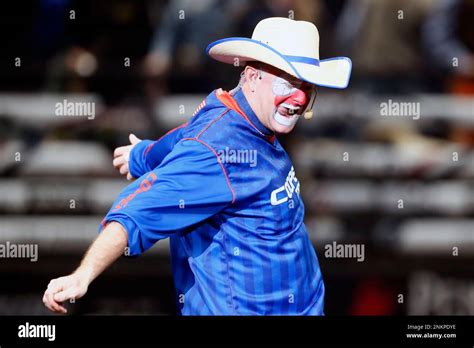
<point>290,107</point>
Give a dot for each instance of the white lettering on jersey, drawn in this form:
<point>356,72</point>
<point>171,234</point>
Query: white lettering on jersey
<point>285,192</point>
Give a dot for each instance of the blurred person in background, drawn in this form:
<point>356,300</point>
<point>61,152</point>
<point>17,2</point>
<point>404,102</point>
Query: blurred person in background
<point>323,12</point>
<point>384,39</point>
<point>175,62</point>
<point>35,42</point>
<point>254,11</point>
<point>448,34</point>
<point>103,51</point>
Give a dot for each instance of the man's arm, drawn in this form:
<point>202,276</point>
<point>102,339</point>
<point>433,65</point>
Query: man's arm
<point>107,248</point>
<point>189,187</point>
<point>142,156</point>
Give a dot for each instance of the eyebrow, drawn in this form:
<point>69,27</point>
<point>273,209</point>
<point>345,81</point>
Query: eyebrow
<point>293,80</point>
<point>299,83</point>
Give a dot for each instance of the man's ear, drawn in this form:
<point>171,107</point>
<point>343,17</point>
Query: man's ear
<point>250,72</point>
<point>252,75</point>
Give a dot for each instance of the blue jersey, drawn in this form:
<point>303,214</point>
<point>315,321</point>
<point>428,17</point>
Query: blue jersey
<point>224,191</point>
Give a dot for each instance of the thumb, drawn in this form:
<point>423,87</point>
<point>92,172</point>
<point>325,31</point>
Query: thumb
<point>65,294</point>
<point>133,139</point>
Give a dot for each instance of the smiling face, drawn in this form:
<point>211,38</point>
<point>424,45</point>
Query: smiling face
<point>278,98</point>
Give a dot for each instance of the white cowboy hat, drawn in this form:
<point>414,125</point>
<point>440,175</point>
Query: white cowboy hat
<point>289,45</point>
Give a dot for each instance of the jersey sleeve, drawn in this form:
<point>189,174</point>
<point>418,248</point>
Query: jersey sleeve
<point>189,186</point>
<point>148,154</point>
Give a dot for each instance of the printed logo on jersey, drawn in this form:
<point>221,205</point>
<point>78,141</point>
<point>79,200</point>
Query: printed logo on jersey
<point>286,191</point>
<point>145,185</point>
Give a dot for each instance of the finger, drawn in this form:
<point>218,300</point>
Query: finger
<point>48,299</point>
<point>62,296</point>
<point>66,294</point>
<point>124,169</point>
<point>46,303</point>
<point>63,309</point>
<point>54,286</point>
<point>59,308</point>
<point>50,303</point>
<point>129,177</point>
<point>133,139</point>
<point>121,150</point>
<point>118,161</point>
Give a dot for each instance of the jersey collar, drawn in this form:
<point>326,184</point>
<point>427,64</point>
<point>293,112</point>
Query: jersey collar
<point>239,103</point>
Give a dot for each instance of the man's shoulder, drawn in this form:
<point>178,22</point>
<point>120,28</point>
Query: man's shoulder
<point>216,125</point>
<point>204,119</point>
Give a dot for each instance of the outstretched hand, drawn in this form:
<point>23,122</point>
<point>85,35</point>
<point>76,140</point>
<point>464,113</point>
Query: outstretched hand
<point>122,155</point>
<point>62,289</point>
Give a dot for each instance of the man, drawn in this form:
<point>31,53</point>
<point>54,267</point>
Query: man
<point>238,242</point>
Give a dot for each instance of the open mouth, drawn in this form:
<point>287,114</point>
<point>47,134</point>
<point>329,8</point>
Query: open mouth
<point>288,110</point>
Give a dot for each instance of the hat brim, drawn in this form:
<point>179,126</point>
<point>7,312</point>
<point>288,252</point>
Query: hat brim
<point>333,72</point>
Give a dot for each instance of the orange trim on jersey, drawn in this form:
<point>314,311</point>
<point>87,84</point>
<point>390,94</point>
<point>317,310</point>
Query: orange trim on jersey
<point>230,102</point>
<point>220,163</point>
<point>226,99</point>
<point>103,223</point>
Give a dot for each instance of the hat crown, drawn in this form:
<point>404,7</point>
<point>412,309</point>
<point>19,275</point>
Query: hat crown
<point>288,45</point>
<point>289,37</point>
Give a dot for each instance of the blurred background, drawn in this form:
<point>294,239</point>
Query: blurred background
<point>400,185</point>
